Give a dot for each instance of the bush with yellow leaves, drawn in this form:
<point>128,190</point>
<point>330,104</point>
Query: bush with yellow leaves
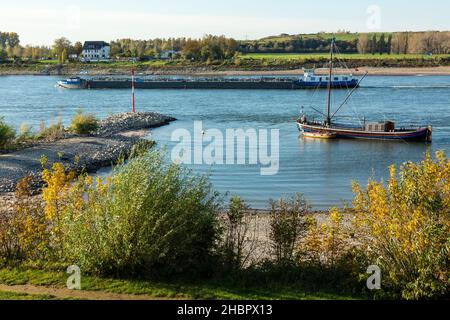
<point>325,243</point>
<point>55,195</point>
<point>406,223</point>
<point>23,227</point>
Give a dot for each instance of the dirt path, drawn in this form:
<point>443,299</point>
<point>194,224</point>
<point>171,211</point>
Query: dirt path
<point>73,294</point>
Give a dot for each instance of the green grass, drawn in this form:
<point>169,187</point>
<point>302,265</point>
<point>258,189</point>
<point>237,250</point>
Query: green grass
<point>5,295</point>
<point>219,289</point>
<point>48,62</point>
<point>324,36</point>
<point>306,56</point>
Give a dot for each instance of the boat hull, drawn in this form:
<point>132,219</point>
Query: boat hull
<point>72,84</point>
<point>244,84</point>
<point>324,84</point>
<point>319,135</point>
<point>420,134</point>
<point>69,86</point>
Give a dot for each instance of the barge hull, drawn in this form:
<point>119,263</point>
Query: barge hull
<point>236,85</point>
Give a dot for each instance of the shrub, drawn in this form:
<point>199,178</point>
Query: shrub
<point>83,124</point>
<point>25,132</point>
<point>53,132</point>
<point>287,226</point>
<point>9,241</point>
<point>147,219</point>
<point>141,148</point>
<point>325,244</point>
<point>7,134</point>
<point>23,227</point>
<point>31,225</point>
<point>407,227</point>
<point>55,194</point>
<point>238,243</point>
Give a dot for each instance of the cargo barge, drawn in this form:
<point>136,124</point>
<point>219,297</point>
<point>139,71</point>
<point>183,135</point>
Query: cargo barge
<point>309,81</point>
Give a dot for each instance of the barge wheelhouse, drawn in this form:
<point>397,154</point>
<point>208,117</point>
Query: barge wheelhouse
<point>312,80</point>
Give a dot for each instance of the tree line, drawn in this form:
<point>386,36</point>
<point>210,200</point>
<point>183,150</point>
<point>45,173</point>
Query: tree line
<point>219,48</point>
<point>10,48</point>
<point>431,42</point>
<point>208,48</point>
<point>297,44</point>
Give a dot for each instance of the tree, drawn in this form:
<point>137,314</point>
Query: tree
<point>363,44</point>
<point>373,44</point>
<point>192,49</point>
<point>3,40</point>
<point>60,45</point>
<point>389,44</point>
<point>27,52</point>
<point>63,56</point>
<point>3,55</point>
<point>78,48</point>
<point>400,43</point>
<point>35,53</point>
<point>13,39</point>
<point>382,44</point>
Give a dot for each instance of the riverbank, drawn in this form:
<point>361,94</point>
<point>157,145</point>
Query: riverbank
<point>225,70</point>
<point>115,138</point>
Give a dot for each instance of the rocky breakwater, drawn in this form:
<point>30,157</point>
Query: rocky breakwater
<point>114,139</point>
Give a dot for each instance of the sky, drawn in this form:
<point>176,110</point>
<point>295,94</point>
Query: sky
<point>40,22</point>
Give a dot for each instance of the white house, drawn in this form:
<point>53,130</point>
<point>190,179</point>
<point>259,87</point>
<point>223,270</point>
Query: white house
<point>96,51</point>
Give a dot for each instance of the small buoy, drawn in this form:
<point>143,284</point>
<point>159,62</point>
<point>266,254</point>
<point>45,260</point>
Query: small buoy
<point>203,132</point>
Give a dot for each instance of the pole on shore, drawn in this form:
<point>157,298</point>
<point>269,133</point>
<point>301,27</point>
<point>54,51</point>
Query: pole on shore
<point>132,92</point>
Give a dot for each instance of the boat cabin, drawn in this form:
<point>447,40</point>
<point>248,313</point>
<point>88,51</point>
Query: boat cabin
<point>387,126</point>
<point>311,76</point>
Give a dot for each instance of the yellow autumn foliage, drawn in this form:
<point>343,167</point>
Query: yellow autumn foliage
<point>55,193</point>
<point>405,226</point>
<point>327,242</point>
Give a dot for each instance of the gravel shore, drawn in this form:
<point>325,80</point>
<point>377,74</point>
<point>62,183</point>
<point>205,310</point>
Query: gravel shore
<point>115,137</point>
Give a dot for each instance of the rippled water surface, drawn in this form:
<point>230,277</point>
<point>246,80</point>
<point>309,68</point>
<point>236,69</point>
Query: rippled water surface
<point>322,170</point>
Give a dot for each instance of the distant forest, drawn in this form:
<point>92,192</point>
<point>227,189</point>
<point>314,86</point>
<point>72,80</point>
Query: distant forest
<point>220,48</point>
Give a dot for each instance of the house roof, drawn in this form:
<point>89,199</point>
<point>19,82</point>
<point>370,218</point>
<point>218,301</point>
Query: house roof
<point>95,45</point>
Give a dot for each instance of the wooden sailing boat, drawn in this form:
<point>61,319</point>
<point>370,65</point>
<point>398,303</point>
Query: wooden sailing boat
<point>374,131</point>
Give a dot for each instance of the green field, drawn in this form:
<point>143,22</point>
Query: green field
<point>316,56</point>
<point>324,36</point>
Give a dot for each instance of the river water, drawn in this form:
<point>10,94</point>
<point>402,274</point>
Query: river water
<point>321,170</point>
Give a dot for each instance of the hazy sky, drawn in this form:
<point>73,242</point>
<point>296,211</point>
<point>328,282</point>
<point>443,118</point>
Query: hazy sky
<point>40,22</point>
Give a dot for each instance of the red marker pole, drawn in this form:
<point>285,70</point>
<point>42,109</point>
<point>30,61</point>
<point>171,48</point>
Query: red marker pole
<point>132,91</point>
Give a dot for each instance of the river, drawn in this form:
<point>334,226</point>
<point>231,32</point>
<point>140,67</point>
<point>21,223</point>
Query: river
<point>321,170</point>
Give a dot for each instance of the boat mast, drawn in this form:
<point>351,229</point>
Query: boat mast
<point>328,123</point>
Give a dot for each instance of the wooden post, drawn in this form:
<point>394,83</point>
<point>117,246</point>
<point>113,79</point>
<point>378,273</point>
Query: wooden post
<point>132,91</point>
